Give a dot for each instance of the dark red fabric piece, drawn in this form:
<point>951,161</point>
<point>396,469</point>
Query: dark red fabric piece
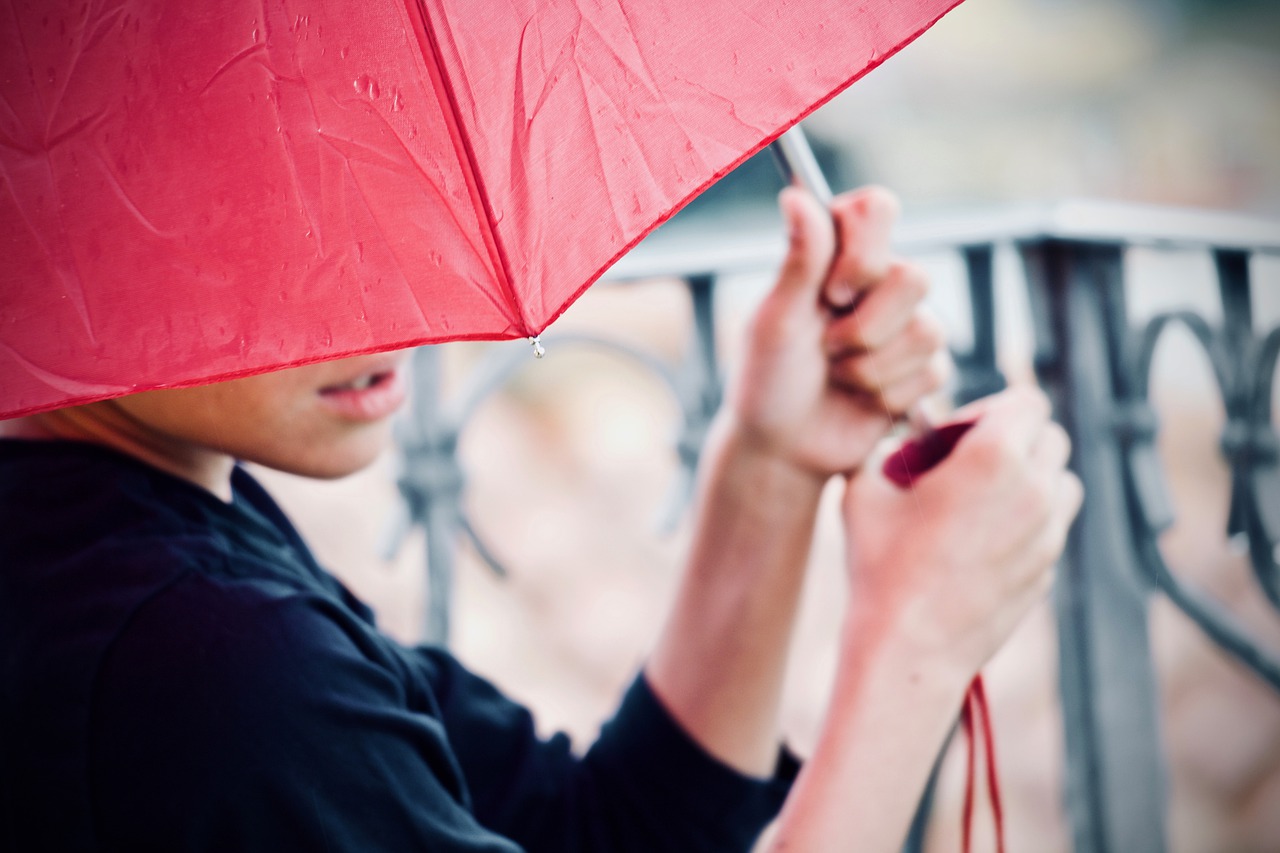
<point>194,191</point>
<point>919,454</point>
<point>910,461</point>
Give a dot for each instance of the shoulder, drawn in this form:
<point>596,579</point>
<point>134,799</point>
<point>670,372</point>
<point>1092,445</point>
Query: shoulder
<point>234,642</point>
<point>253,707</point>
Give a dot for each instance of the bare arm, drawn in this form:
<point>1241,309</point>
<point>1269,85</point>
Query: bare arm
<point>816,391</point>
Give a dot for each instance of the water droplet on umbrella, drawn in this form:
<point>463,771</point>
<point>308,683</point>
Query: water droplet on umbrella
<point>254,35</point>
<point>359,251</point>
<point>366,85</point>
<point>435,257</point>
<point>343,52</point>
<point>397,101</point>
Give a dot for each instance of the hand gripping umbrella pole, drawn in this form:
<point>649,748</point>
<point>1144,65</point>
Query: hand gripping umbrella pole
<point>926,448</point>
<point>796,161</point>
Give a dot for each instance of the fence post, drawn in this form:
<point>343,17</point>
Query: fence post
<point>1115,773</point>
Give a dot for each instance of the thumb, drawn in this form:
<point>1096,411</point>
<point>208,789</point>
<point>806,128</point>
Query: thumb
<point>812,244</point>
<point>864,221</point>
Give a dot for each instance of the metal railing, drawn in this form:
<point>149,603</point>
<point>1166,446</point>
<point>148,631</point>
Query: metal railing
<point>1096,364</point>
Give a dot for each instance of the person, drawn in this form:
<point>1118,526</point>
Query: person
<point>178,673</point>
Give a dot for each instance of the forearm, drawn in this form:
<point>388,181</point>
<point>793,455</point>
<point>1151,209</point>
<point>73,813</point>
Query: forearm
<point>889,714</point>
<point>720,661</point>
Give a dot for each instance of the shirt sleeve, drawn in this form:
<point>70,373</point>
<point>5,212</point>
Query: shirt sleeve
<point>226,718</point>
<point>644,785</point>
<point>233,717</point>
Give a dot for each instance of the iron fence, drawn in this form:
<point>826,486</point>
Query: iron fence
<point>1095,361</point>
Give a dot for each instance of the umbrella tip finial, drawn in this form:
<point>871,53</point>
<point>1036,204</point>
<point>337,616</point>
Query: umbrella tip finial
<point>538,350</point>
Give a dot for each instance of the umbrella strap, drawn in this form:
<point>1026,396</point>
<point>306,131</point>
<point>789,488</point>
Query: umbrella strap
<point>975,719</point>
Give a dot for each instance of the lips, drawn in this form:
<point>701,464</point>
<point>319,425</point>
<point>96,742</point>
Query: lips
<point>369,396</point>
<point>360,384</point>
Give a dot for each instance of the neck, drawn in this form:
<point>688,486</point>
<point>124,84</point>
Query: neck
<point>109,425</point>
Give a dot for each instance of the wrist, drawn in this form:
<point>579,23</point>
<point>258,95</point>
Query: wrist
<point>732,443</point>
<point>879,636</point>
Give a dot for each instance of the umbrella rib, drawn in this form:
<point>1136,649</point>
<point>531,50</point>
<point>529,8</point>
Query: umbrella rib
<point>453,119</point>
<point>386,162</point>
<point>383,162</point>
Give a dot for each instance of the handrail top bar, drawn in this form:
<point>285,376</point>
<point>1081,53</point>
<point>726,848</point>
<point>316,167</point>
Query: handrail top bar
<point>743,249</point>
<point>1098,221</point>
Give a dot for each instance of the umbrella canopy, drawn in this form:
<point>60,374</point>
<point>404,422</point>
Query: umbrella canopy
<point>198,191</point>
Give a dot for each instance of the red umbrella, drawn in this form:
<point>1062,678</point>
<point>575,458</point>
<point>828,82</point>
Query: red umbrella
<point>196,191</point>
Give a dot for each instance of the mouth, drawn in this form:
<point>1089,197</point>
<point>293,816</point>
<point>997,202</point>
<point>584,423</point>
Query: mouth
<point>371,396</point>
<point>361,383</point>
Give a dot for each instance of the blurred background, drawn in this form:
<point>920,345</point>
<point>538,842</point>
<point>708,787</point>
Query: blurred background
<point>571,465</point>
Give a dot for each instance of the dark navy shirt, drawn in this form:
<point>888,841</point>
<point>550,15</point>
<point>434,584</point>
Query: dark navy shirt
<point>178,674</point>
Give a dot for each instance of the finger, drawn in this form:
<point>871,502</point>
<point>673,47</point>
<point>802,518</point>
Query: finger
<point>921,339</point>
<point>867,372</point>
<point>863,221</point>
<point>1009,425</point>
<point>887,307</point>
<point>812,243</point>
<point>1071,499</point>
<point>910,379</point>
<point>1051,451</point>
<point>1068,498</point>
<point>900,397</point>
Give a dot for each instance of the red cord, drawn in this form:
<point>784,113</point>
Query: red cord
<point>975,705</point>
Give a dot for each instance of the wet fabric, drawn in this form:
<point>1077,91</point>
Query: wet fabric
<point>193,191</point>
<point>178,674</point>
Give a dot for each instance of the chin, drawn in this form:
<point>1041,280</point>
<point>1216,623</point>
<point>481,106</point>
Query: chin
<point>331,460</point>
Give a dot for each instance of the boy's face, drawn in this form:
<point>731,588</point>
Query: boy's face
<point>320,420</point>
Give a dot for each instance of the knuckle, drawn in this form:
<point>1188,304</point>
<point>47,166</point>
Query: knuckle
<point>1037,505</point>
<point>987,452</point>
<point>1037,399</point>
<point>897,400</point>
<point>926,332</point>
<point>941,369</point>
<point>1063,438</point>
<point>912,278</point>
<point>1075,493</point>
<point>877,201</point>
<point>1048,550</point>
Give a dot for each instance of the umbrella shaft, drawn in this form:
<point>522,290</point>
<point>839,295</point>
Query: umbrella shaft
<point>796,161</point>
